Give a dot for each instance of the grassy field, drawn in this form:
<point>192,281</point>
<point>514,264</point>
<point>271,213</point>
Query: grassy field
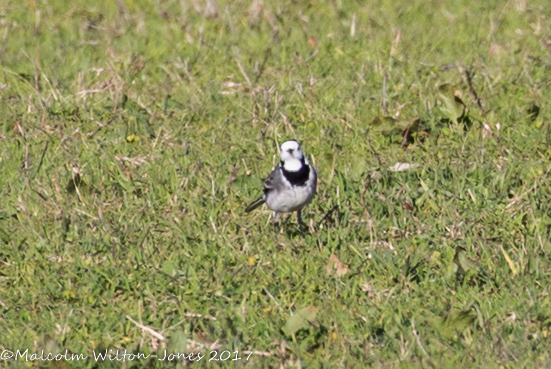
<point>134,134</point>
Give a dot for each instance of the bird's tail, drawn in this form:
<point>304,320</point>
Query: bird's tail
<point>255,204</point>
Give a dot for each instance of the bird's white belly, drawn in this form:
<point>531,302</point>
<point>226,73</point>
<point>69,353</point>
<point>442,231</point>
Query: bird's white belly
<point>290,200</point>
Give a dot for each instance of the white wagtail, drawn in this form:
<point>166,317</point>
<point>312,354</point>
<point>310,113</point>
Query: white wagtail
<point>291,185</point>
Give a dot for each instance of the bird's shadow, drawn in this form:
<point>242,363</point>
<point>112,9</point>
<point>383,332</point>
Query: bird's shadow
<point>292,228</point>
<point>331,218</point>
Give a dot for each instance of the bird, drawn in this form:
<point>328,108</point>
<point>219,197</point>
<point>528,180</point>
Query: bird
<point>290,187</point>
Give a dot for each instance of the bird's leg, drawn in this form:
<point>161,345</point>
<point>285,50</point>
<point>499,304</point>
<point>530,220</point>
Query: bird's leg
<point>276,223</point>
<point>299,221</point>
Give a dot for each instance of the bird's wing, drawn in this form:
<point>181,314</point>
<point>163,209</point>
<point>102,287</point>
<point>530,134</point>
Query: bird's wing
<point>272,181</point>
<point>270,184</point>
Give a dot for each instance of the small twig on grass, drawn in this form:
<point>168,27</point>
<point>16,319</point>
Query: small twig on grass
<point>326,216</point>
<point>85,213</point>
<point>414,331</point>
<point>276,109</point>
<point>27,158</point>
<point>367,183</point>
<point>267,54</point>
<point>41,159</point>
<point>76,183</point>
<point>102,126</point>
<point>470,76</point>
<point>147,329</point>
<point>367,215</point>
<point>404,139</point>
<point>375,153</point>
<point>39,194</point>
<point>243,73</point>
<point>273,299</point>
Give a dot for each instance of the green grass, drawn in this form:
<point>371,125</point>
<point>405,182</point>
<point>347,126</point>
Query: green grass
<point>134,133</point>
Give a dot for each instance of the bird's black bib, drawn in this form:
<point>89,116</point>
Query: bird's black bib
<point>299,177</point>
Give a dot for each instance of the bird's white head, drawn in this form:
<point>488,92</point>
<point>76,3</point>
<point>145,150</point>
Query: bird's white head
<point>291,156</point>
